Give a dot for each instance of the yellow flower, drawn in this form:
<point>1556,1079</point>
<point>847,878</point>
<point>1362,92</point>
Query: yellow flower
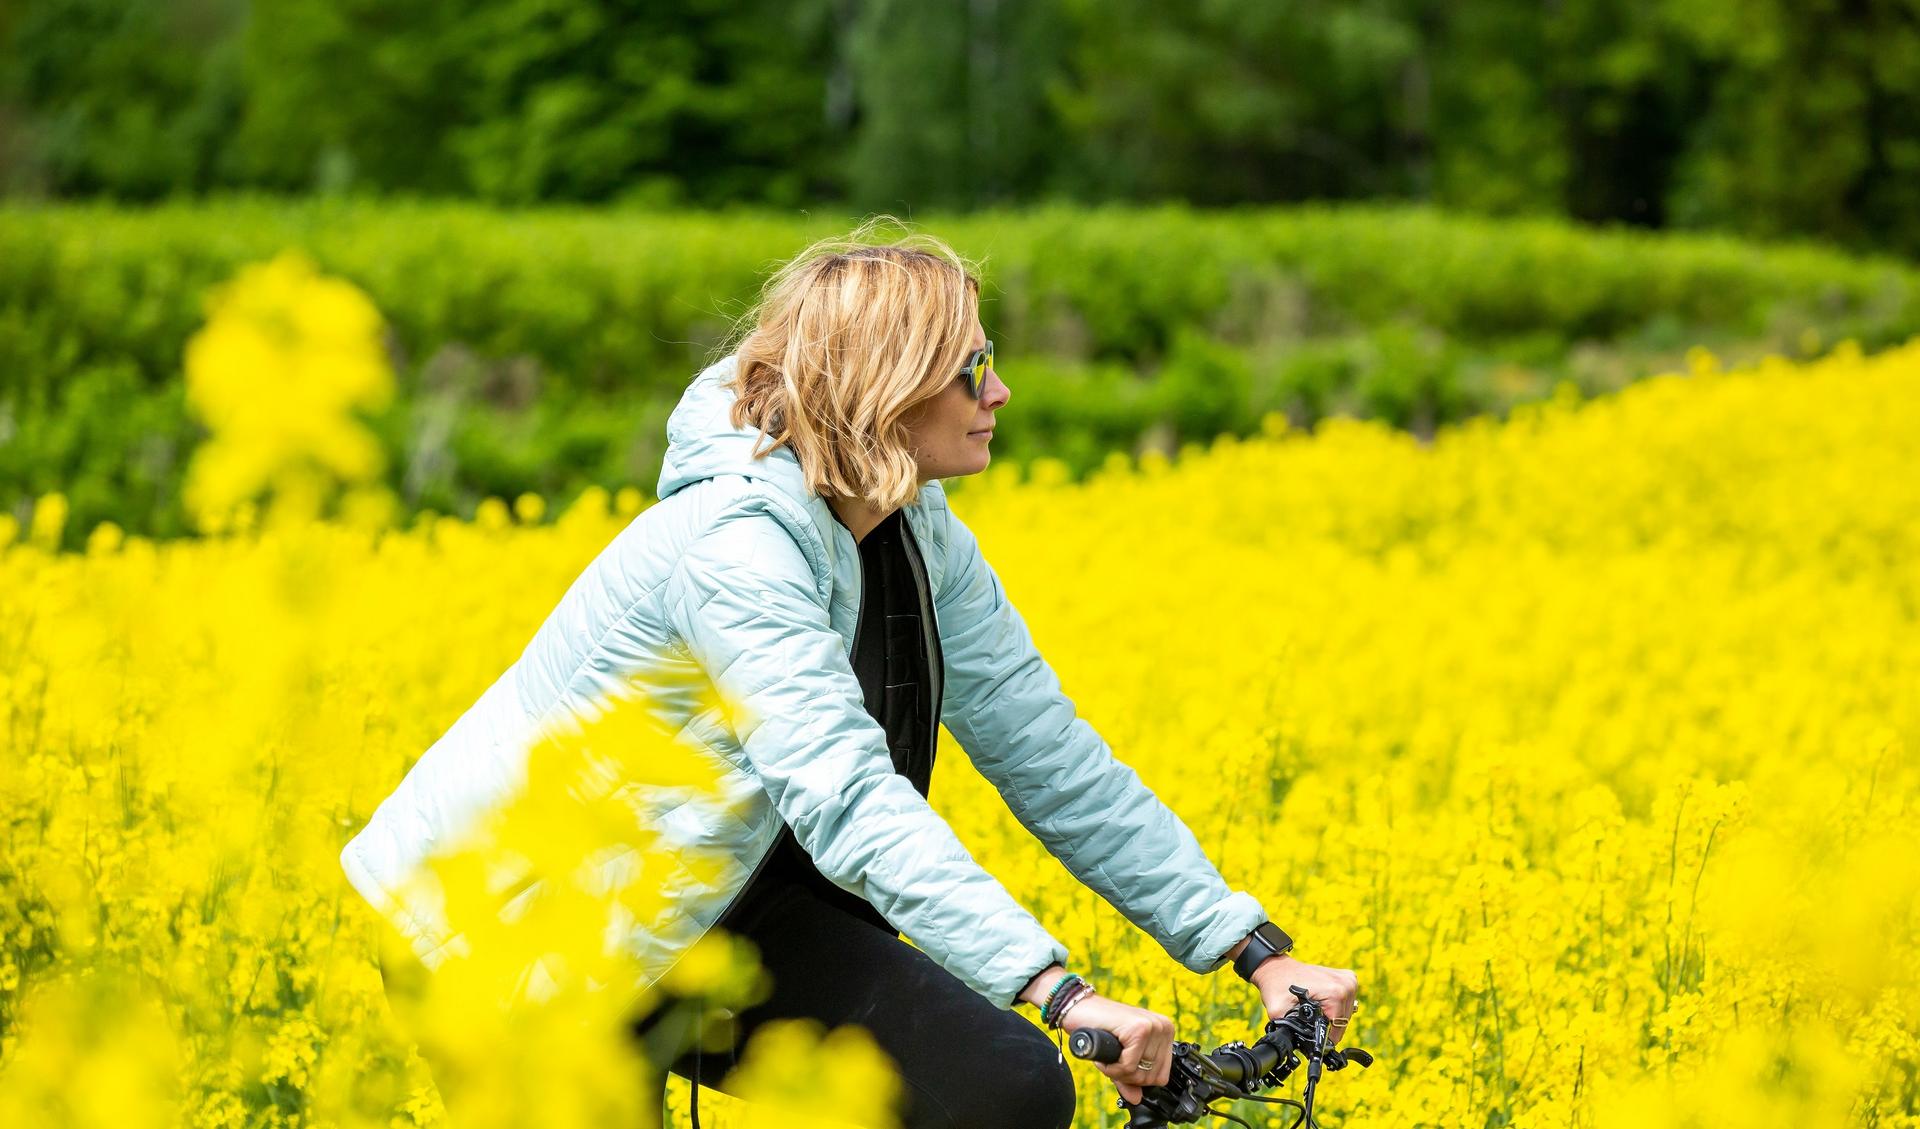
<point>1583,737</point>
<point>49,519</point>
<point>285,358</point>
<point>793,1072</point>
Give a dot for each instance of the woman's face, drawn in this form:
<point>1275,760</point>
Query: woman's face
<point>950,434</point>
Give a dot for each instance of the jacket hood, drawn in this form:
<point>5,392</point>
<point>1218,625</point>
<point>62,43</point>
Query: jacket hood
<point>702,442</point>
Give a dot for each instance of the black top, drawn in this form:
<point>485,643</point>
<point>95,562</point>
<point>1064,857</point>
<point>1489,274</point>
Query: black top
<point>896,659</point>
<point>890,651</point>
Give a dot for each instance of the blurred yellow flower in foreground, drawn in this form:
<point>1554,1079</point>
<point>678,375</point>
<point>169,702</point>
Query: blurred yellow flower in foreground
<point>794,1075</point>
<point>93,1050</point>
<point>285,357</point>
<point>540,993</point>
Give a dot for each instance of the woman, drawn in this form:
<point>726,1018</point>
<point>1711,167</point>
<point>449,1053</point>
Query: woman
<point>802,557</point>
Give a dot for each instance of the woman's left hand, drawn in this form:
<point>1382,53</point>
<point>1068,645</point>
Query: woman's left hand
<point>1336,990</point>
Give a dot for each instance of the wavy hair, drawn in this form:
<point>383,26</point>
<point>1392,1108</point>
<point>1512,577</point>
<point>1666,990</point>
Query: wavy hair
<point>845,339</point>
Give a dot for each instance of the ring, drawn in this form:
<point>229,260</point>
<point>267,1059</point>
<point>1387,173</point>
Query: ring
<point>1340,1022</point>
<point>1145,1064</point>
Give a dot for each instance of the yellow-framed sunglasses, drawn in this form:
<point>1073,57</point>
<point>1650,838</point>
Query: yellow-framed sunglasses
<point>976,370</point>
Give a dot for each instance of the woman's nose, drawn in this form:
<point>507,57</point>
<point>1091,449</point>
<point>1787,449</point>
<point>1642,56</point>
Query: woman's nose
<point>996,393</point>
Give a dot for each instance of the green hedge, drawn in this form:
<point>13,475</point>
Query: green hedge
<point>540,350</point>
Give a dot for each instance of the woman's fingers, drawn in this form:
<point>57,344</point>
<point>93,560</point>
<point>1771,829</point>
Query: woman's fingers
<point>1157,1064</point>
<point>1126,1073</point>
<point>1338,1001</point>
<point>1146,1056</point>
<point>1146,1043</point>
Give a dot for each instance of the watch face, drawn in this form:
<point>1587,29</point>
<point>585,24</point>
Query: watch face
<point>1267,940</point>
<point>1271,934</point>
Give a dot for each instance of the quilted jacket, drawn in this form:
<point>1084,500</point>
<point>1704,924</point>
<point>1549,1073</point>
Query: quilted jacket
<point>740,575</point>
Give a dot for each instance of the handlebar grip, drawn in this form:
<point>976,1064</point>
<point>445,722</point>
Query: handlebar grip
<point>1094,1043</point>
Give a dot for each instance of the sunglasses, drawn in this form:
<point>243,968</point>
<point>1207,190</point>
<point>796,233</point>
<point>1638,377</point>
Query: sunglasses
<point>976,370</point>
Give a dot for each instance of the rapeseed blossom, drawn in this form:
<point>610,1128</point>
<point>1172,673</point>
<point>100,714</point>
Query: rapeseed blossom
<point>286,355</point>
<point>1585,737</point>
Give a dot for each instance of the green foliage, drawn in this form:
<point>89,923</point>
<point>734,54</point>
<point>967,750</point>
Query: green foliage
<point>541,350</point>
<point>951,102</point>
<point>103,96</point>
<point>1767,119</point>
<point>512,101</point>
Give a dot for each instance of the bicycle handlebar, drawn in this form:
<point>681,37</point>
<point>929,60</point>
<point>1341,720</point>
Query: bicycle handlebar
<point>1233,1070</point>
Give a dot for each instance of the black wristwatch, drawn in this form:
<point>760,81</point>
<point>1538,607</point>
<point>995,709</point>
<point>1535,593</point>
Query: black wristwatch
<point>1265,941</point>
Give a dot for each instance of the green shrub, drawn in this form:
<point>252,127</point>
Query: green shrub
<point>541,350</point>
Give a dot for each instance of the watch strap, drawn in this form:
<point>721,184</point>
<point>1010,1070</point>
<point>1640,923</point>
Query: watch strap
<point>1266,940</point>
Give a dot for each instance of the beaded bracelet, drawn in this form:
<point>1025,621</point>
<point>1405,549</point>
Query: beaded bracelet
<point>1060,1016</point>
<point>1060,1012</point>
<point>1051,1015</point>
<point>1046,1013</point>
<point>1080,992</point>
<point>1067,981</point>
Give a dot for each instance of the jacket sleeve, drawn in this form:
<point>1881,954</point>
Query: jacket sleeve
<point>743,600</point>
<point>1005,706</point>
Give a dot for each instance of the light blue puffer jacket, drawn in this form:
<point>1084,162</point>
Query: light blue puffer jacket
<point>739,572</point>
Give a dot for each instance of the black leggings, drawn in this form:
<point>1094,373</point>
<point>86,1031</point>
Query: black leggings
<point>966,1064</point>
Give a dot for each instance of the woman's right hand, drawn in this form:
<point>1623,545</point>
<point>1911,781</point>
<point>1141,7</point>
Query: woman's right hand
<point>1144,1035</point>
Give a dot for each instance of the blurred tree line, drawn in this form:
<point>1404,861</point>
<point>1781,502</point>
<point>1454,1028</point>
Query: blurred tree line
<point>1767,117</point>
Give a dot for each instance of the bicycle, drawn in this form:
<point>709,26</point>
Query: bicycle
<point>1233,1070</point>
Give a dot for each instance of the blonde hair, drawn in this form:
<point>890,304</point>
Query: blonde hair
<point>846,338</point>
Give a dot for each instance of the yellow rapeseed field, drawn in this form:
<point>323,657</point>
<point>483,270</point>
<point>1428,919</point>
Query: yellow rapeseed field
<point>1584,737</point>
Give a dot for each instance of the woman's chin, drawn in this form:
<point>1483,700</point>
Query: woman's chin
<point>972,463</point>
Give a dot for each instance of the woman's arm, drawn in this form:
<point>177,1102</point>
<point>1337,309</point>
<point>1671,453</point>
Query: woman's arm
<point>743,601</point>
<point>1004,705</point>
